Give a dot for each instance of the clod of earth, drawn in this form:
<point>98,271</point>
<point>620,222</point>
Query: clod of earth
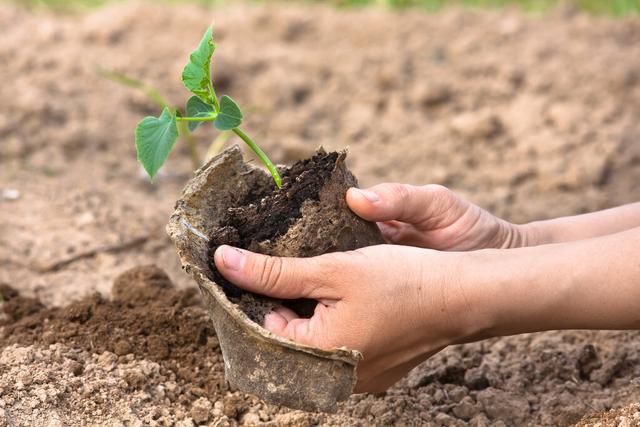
<point>146,316</point>
<point>234,203</point>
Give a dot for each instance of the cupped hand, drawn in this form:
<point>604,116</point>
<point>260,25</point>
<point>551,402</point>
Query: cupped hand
<point>432,216</point>
<point>396,304</point>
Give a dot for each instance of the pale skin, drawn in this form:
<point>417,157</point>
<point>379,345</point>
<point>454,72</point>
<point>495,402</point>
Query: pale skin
<point>451,273</point>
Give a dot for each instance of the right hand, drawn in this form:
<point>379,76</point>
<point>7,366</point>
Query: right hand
<point>397,305</point>
<point>432,216</point>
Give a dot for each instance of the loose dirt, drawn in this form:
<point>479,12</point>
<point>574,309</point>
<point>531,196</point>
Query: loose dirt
<point>530,117</point>
<point>149,356</point>
<point>268,216</point>
<point>268,213</point>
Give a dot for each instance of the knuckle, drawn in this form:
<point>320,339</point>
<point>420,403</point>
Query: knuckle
<point>400,191</point>
<point>437,191</point>
<point>270,273</point>
<point>441,199</point>
<point>329,263</point>
<point>324,335</point>
<point>300,332</point>
<point>337,265</point>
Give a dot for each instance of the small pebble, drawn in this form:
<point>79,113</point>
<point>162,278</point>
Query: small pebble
<point>10,194</point>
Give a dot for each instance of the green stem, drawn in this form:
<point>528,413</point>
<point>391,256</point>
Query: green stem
<point>195,119</point>
<point>261,155</point>
<point>125,80</point>
<point>214,98</point>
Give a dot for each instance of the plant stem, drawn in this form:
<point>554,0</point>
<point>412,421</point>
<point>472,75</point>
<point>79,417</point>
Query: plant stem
<point>195,119</point>
<point>261,155</point>
<point>214,98</point>
<point>125,80</point>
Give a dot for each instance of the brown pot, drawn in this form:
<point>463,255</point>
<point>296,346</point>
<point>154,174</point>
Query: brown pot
<point>257,361</point>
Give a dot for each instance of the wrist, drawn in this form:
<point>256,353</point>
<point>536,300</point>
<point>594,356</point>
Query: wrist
<point>535,233</point>
<point>485,279</point>
<point>508,291</point>
<point>460,294</point>
<point>525,235</point>
<point>477,278</point>
<point>514,236</point>
<point>522,290</point>
<point>555,286</point>
<point>507,235</point>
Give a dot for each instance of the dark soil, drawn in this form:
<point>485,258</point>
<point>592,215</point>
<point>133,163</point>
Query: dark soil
<point>15,306</point>
<point>269,216</point>
<point>146,316</point>
<point>529,380</point>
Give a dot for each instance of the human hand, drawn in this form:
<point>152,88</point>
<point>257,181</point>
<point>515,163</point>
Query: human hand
<point>432,216</point>
<point>397,305</point>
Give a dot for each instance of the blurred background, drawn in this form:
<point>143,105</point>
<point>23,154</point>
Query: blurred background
<point>613,7</point>
<point>529,108</point>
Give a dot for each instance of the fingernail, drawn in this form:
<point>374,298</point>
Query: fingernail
<point>233,258</point>
<point>369,195</point>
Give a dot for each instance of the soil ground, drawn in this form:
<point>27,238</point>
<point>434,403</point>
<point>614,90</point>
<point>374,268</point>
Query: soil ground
<point>529,117</point>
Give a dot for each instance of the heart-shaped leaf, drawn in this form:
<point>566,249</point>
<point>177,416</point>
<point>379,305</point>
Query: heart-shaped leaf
<point>197,108</point>
<point>155,137</point>
<point>196,75</point>
<point>229,116</point>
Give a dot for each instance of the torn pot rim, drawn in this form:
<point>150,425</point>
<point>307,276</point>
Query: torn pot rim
<point>179,222</point>
<point>341,353</point>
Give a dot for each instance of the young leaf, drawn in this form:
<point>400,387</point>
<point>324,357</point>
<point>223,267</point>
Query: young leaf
<point>196,75</point>
<point>155,137</point>
<point>197,108</point>
<point>229,116</point>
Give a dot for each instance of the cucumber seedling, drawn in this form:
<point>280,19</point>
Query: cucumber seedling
<point>156,136</point>
<point>157,98</point>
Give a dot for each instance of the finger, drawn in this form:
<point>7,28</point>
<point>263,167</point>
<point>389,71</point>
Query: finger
<point>288,325</point>
<point>400,202</point>
<point>276,320</point>
<point>287,313</point>
<point>399,233</point>
<point>273,276</point>
<point>390,229</point>
<point>312,332</point>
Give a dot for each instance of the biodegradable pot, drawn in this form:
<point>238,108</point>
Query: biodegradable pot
<point>231,202</point>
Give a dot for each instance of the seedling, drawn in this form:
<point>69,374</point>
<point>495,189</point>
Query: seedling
<point>157,98</point>
<point>156,136</point>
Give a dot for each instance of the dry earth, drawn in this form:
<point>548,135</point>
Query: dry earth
<point>529,117</point>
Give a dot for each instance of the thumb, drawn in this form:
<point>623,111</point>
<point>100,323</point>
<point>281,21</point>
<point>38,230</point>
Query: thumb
<point>400,202</point>
<point>276,277</point>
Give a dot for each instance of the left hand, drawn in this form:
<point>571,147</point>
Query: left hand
<point>432,216</point>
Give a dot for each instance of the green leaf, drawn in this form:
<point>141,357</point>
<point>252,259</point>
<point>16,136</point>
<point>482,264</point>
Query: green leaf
<point>154,140</point>
<point>197,108</point>
<point>196,75</point>
<point>229,116</point>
